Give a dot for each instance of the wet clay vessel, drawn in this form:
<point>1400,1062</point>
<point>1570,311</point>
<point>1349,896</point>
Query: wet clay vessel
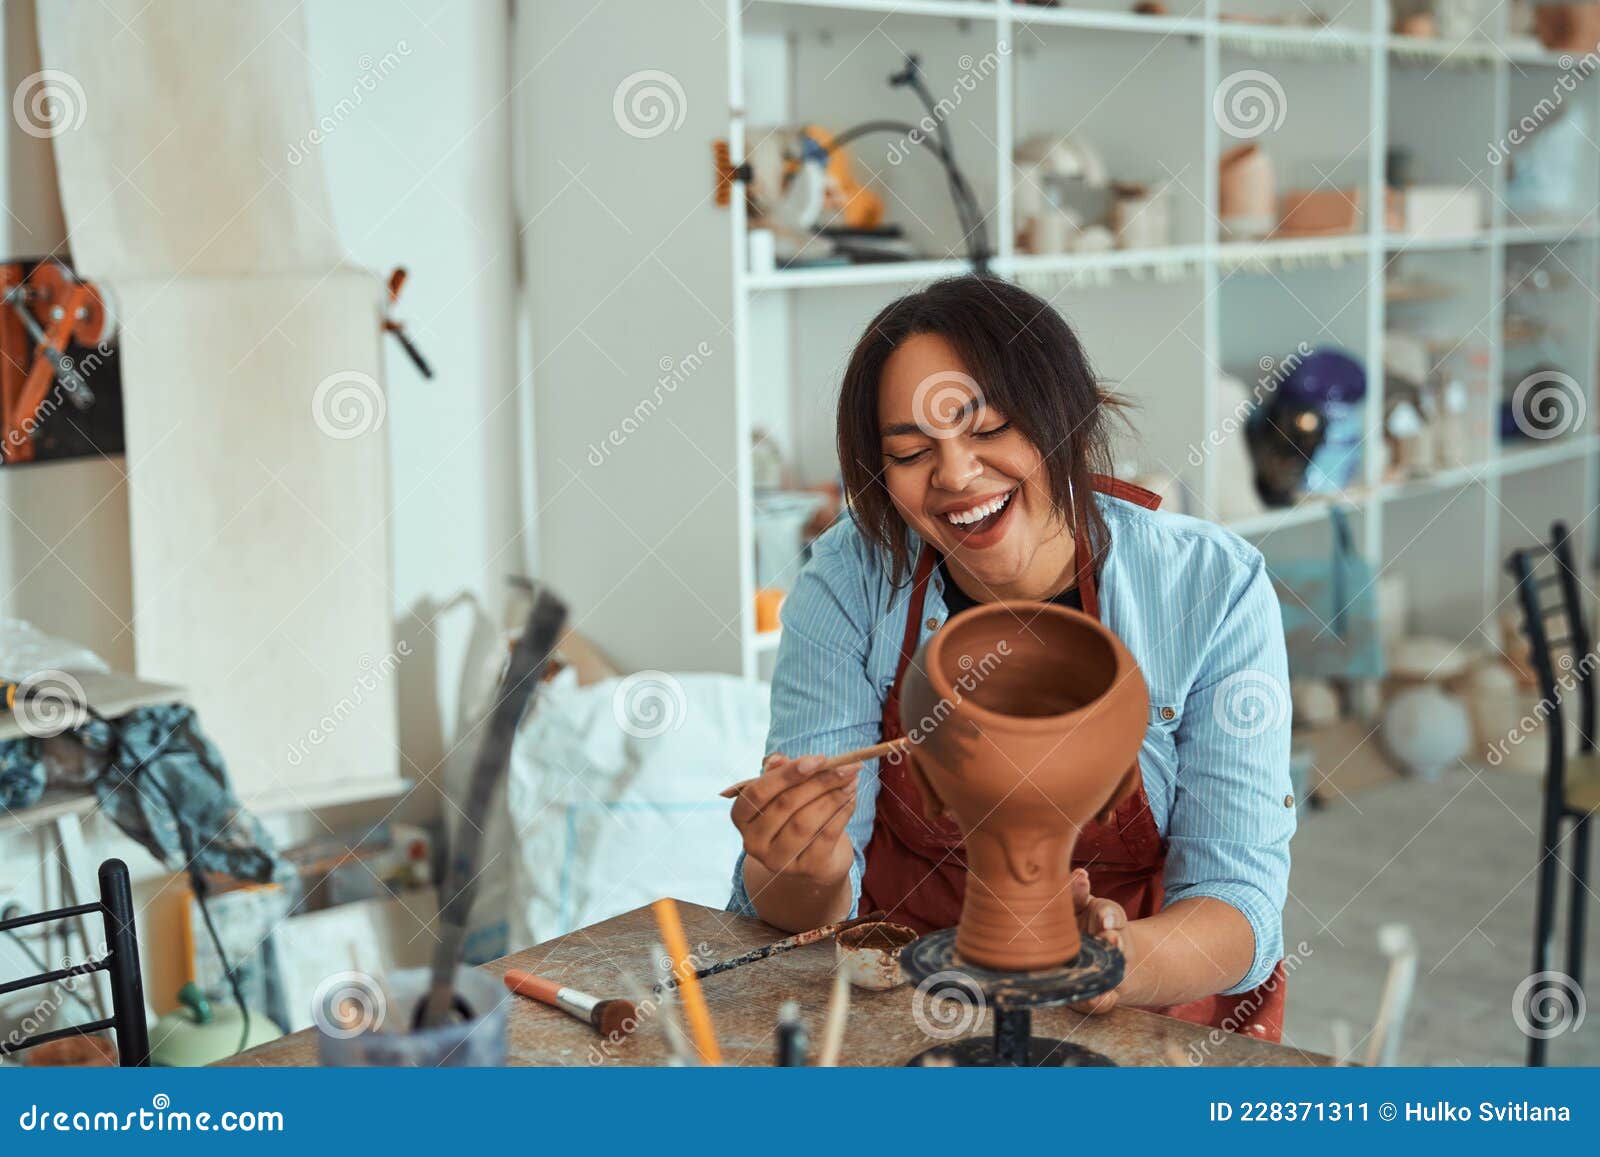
<point>1025,721</point>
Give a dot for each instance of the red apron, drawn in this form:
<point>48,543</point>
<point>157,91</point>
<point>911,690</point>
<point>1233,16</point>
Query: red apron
<point>916,868</point>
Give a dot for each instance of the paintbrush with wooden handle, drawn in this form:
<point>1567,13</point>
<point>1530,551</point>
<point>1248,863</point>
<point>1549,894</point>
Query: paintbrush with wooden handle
<point>860,755</point>
<point>798,940</point>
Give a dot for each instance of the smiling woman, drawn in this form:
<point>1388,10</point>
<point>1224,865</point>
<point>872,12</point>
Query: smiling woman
<point>912,405</point>
<point>973,439</point>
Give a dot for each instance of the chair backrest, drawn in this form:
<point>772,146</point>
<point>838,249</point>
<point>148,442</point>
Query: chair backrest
<point>1563,659</point>
<point>120,963</point>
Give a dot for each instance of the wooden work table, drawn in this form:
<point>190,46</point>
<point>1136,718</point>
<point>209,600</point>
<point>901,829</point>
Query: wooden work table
<point>744,1006</point>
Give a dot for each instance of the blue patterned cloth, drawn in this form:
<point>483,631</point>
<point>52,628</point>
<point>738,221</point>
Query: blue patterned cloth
<point>164,744</point>
<point>1194,605</point>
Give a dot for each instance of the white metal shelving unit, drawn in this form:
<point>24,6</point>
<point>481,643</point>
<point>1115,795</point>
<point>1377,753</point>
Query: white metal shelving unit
<point>822,61</point>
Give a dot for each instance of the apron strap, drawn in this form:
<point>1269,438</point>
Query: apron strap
<point>1116,488</point>
<point>919,593</point>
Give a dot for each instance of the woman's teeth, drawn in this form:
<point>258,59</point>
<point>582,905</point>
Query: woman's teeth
<point>979,513</point>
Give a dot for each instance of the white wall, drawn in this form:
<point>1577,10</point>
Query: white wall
<point>419,167</point>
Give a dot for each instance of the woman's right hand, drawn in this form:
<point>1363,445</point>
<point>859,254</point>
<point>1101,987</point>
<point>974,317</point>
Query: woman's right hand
<point>793,818</point>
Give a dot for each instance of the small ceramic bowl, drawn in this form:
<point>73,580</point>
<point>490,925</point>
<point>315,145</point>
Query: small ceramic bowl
<point>869,954</point>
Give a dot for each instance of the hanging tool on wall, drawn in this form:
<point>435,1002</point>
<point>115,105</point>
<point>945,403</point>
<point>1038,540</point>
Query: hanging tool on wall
<point>391,324</point>
<point>57,311</point>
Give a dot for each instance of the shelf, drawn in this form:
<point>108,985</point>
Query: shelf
<point>1436,482</point>
<point>765,642</point>
<point>1548,234</point>
<point>877,273</point>
<point>953,9</point>
<point>1107,21</point>
<point>1530,51</point>
<point>1310,510</point>
<point>1236,34</point>
<point>1233,255</point>
<point>1473,50</point>
<point>1532,457</point>
<point>1400,243</point>
<point>1115,259</point>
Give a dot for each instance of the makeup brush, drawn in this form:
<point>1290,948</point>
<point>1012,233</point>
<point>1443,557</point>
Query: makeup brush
<point>605,1016</point>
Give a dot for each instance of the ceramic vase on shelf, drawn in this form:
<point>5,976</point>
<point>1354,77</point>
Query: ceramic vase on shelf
<point>1026,721</point>
<point>1247,193</point>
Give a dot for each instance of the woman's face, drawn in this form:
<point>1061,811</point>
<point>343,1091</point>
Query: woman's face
<point>959,474</point>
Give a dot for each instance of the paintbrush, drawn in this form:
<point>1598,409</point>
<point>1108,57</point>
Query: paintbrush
<point>792,1039</point>
<point>860,755</point>
<point>528,661</point>
<point>607,1017</point>
<point>798,940</point>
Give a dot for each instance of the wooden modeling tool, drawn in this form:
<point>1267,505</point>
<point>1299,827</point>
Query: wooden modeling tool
<point>798,940</point>
<point>860,755</point>
<point>694,1001</point>
<point>833,1027</point>
<point>605,1016</point>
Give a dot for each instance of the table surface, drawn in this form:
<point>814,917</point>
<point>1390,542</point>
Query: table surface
<point>744,1005</point>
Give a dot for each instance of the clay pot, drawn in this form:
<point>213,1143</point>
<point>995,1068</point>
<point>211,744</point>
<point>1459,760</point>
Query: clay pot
<point>1568,27</point>
<point>1320,212</point>
<point>1247,193</point>
<point>1026,721</point>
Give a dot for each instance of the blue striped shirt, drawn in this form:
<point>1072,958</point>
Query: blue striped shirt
<point>1194,605</point>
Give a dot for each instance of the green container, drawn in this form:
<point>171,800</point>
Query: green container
<point>198,1033</point>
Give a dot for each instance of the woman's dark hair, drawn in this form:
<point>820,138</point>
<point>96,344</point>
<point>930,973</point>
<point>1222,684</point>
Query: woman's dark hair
<point>1028,364</point>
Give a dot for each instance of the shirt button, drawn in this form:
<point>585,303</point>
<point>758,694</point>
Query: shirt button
<point>1168,714</point>
<point>933,624</point>
<point>1288,801</point>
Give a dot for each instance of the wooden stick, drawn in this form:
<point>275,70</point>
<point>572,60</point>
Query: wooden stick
<point>860,755</point>
<point>833,1027</point>
<point>798,940</point>
<point>694,1001</point>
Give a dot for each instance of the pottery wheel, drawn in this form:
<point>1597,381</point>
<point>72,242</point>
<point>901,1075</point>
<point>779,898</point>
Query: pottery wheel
<point>1012,996</point>
<point>1097,969</point>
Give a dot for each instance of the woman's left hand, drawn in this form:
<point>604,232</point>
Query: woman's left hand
<point>1102,918</point>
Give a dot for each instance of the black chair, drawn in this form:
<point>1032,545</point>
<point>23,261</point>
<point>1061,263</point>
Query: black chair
<point>1571,784</point>
<point>121,963</point>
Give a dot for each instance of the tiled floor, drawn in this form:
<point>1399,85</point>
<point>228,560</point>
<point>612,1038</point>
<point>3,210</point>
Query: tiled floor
<point>1455,861</point>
